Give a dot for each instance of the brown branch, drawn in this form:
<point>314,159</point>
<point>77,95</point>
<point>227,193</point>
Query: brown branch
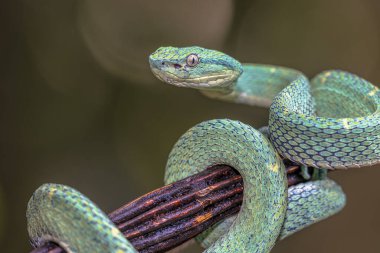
<point>49,248</point>
<point>169,216</point>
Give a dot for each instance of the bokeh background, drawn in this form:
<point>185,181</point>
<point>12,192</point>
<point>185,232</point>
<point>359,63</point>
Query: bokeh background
<point>79,105</point>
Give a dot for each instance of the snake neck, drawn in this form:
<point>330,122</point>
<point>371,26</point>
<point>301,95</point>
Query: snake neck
<point>227,93</point>
<point>258,85</point>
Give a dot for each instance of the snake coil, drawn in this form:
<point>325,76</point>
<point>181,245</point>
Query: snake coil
<point>332,122</point>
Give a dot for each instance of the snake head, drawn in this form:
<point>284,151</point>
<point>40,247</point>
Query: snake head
<point>195,67</point>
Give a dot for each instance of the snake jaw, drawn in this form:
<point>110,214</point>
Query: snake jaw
<point>206,82</point>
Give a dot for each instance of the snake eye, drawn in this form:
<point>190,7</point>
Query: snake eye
<point>192,60</point>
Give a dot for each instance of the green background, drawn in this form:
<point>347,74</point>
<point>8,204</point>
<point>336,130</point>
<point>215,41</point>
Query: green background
<point>79,105</point>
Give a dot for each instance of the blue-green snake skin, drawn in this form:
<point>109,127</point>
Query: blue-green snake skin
<point>331,122</point>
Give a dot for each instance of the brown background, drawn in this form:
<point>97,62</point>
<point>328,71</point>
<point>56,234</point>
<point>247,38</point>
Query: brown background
<point>79,105</point>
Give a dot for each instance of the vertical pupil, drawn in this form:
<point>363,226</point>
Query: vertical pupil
<point>192,60</point>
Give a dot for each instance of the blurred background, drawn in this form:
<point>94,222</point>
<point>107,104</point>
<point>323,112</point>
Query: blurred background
<point>79,105</point>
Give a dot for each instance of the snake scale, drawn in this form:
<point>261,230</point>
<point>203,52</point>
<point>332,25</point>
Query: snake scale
<point>331,122</point>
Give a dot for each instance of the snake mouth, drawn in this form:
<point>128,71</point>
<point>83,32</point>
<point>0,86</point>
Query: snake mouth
<point>203,82</point>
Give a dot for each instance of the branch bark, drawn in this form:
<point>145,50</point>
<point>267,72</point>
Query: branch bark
<point>173,214</point>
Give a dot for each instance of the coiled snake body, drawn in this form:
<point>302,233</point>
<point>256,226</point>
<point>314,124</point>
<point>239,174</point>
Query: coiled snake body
<point>332,122</point>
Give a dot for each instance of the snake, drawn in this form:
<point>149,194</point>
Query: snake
<point>330,122</point>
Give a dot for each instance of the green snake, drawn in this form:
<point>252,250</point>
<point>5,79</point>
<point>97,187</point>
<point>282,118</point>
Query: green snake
<point>331,122</point>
